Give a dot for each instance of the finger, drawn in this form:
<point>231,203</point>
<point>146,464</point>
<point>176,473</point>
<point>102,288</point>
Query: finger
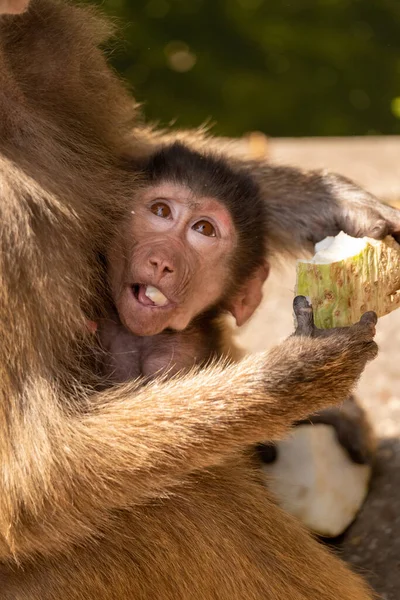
<point>369,318</point>
<point>368,321</point>
<point>391,216</point>
<point>365,329</point>
<point>365,222</point>
<point>370,218</point>
<point>387,222</point>
<point>300,303</point>
<point>304,316</point>
<point>379,230</point>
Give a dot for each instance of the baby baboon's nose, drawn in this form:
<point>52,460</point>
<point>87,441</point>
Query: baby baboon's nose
<point>161,265</point>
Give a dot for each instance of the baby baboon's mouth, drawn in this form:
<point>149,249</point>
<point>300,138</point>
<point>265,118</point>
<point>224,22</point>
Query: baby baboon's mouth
<point>148,295</point>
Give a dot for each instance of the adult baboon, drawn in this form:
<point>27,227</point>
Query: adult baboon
<point>133,493</point>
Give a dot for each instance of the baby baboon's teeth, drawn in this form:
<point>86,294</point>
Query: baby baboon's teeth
<point>155,296</point>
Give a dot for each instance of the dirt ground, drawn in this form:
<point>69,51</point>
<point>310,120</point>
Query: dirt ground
<point>372,544</point>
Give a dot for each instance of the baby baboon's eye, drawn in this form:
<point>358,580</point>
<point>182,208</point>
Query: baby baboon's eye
<point>161,210</point>
<point>205,228</point>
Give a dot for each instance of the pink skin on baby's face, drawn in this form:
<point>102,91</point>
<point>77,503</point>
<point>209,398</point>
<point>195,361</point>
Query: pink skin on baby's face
<point>178,243</point>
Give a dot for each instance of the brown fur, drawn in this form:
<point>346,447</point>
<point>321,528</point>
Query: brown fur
<point>129,494</point>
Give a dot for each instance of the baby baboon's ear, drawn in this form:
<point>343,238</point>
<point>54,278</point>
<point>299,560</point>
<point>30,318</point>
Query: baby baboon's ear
<point>245,302</point>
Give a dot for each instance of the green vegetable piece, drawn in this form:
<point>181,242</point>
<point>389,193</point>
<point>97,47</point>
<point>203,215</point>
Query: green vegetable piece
<point>349,276</point>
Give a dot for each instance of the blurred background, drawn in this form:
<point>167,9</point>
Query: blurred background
<point>286,68</point>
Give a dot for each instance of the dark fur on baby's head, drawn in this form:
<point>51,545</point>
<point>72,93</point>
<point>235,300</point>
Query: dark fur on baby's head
<point>210,175</point>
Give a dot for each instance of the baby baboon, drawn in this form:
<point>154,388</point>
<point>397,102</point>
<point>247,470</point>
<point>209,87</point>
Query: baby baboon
<point>138,493</point>
<point>192,247</point>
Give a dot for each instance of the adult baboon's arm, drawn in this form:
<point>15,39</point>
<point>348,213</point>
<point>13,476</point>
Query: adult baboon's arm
<point>304,206</point>
<point>63,474</point>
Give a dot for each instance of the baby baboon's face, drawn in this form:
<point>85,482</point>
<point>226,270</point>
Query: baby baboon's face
<point>171,259</point>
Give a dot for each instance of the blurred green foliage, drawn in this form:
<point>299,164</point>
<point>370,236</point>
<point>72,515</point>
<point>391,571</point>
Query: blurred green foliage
<point>303,67</point>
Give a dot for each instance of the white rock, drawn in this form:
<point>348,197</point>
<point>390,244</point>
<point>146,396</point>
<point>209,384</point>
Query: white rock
<point>314,479</point>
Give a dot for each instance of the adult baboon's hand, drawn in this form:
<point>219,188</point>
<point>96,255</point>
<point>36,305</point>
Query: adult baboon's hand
<point>360,214</point>
<point>359,337</point>
<point>13,7</point>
